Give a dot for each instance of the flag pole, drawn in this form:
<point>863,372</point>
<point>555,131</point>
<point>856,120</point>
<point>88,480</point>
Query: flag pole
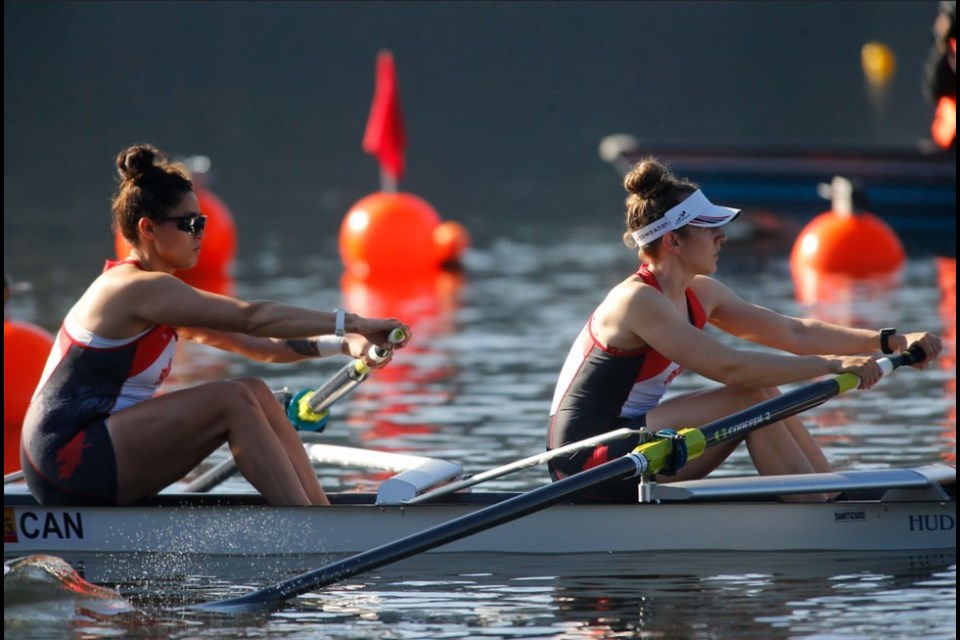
<point>388,184</point>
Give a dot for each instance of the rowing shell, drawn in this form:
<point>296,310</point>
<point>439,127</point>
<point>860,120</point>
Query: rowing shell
<point>892,509</point>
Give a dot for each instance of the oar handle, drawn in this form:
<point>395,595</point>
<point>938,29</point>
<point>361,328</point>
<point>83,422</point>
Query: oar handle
<point>906,358</point>
<point>378,353</point>
<point>344,381</point>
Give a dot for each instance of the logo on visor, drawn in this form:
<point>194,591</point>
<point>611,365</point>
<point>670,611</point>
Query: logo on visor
<point>654,230</point>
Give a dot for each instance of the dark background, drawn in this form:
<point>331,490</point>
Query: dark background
<point>505,104</point>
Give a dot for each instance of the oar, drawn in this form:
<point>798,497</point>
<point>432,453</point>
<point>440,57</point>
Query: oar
<point>647,459</point>
<point>213,476</point>
<point>532,461</point>
<point>306,409</point>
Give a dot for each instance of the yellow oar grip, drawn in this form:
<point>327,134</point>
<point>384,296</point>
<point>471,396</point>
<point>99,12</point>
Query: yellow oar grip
<point>305,413</point>
<point>696,442</point>
<point>847,381</point>
<point>659,451</point>
<point>360,367</point>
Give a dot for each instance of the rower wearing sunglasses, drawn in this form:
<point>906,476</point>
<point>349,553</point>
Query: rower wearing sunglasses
<point>97,433</point>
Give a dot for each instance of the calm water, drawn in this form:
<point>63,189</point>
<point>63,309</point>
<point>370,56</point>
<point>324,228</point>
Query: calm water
<point>475,387</point>
<point>504,122</point>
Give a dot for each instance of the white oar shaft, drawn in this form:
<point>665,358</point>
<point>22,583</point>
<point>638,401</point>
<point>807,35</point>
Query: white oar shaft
<point>349,376</point>
<point>213,476</point>
<point>525,463</point>
<point>363,458</point>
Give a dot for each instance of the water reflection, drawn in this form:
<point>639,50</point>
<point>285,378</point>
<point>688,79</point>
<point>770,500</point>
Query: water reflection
<point>842,299</point>
<point>732,595</point>
<point>947,283</point>
<point>699,596</point>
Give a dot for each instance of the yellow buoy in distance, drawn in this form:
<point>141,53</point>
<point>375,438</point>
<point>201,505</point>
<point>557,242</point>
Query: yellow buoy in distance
<point>879,63</point>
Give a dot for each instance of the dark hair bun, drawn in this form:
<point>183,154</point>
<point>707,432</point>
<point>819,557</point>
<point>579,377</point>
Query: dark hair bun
<point>137,161</point>
<point>648,178</point>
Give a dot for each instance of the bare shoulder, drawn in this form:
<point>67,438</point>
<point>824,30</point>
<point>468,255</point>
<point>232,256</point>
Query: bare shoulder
<point>110,305</point>
<point>628,291</point>
<point>136,283</point>
<point>710,291</point>
<point>635,300</point>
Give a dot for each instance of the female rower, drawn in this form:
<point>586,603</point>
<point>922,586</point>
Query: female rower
<point>648,329</point>
<point>95,432</point>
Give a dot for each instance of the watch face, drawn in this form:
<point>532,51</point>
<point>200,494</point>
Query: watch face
<point>885,340</point>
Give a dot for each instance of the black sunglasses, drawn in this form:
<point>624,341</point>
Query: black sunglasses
<point>192,223</point>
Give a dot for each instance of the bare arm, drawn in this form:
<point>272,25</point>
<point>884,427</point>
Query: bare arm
<point>163,299</point>
<point>734,315</point>
<point>804,336</point>
<point>281,350</point>
<point>648,316</point>
<point>254,347</point>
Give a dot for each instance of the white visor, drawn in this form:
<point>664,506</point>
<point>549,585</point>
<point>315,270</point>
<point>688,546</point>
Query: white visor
<point>695,210</point>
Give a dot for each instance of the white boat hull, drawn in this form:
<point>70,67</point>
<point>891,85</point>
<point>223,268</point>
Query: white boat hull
<point>199,527</point>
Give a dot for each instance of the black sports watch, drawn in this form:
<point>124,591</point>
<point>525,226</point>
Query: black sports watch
<point>885,340</point>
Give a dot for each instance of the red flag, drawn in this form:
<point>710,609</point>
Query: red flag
<point>385,136</point>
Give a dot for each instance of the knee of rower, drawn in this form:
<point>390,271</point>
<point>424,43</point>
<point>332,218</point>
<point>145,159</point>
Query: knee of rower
<point>236,396</point>
<point>260,390</point>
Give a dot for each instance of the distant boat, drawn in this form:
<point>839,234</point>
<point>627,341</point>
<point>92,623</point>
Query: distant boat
<point>914,189</point>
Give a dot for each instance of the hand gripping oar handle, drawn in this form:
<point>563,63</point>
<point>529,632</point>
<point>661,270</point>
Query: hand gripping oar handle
<point>646,459</point>
<point>660,454</point>
<point>308,410</point>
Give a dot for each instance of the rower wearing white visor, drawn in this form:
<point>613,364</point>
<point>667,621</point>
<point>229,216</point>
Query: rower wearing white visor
<point>648,330</point>
<point>694,210</point>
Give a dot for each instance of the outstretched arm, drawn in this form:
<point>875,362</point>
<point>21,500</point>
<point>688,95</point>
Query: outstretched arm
<point>655,321</point>
<point>283,350</point>
<point>163,299</point>
<point>803,336</point>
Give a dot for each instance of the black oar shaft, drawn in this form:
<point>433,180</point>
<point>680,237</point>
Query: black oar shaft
<point>768,412</point>
<point>647,459</point>
<point>510,509</point>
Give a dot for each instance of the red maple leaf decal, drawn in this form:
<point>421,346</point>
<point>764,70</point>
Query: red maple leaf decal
<point>70,455</point>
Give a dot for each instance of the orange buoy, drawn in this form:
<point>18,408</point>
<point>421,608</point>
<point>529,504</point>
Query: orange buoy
<point>25,351</point>
<point>219,247</point>
<point>389,234</point>
<point>845,241</point>
<point>858,245</point>
<point>451,239</point>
